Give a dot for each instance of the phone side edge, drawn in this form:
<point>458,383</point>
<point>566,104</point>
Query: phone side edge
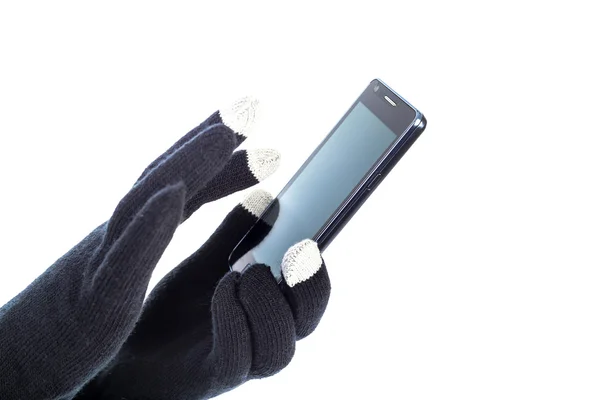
<point>327,236</point>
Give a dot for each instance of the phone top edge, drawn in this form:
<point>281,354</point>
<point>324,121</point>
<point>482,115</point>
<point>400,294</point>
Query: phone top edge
<point>418,113</point>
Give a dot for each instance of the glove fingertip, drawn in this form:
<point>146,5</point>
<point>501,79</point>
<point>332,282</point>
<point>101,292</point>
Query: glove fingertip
<point>301,262</point>
<point>262,163</point>
<point>257,202</point>
<point>241,115</point>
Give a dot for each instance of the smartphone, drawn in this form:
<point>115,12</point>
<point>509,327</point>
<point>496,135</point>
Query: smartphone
<point>335,180</point>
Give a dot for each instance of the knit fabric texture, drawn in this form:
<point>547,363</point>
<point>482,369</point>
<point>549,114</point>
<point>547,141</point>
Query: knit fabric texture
<point>57,333</point>
<point>83,330</point>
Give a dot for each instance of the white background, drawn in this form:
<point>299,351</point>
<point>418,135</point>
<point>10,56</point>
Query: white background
<point>472,273</point>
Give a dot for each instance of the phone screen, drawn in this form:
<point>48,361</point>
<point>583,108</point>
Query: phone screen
<point>320,187</point>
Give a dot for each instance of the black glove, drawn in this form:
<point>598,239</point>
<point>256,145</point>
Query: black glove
<point>73,319</point>
<point>195,342</point>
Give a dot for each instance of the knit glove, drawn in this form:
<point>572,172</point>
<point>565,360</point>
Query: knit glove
<point>72,320</point>
<point>205,330</point>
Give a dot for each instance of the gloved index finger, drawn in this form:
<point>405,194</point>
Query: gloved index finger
<point>246,168</point>
<point>239,117</point>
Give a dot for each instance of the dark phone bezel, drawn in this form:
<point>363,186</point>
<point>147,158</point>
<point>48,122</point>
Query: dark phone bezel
<point>379,170</point>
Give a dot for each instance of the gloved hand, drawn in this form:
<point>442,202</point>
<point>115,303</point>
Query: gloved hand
<point>74,318</point>
<point>195,342</point>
